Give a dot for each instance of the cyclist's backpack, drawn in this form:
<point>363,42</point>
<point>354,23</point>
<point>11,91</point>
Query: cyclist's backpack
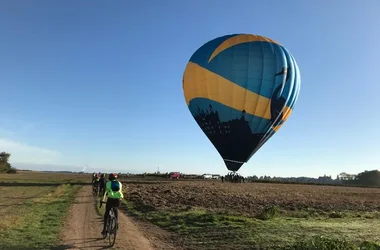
<point>115,186</point>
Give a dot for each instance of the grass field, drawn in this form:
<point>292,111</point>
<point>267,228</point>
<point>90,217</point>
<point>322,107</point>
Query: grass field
<point>215,215</point>
<point>30,177</point>
<point>33,207</point>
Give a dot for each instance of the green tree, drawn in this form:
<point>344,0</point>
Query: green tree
<point>368,178</point>
<point>4,157</point>
<point>346,177</point>
<point>5,166</point>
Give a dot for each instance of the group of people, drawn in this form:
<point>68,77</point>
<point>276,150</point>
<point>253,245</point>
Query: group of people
<point>233,177</point>
<point>99,182</point>
<point>112,189</point>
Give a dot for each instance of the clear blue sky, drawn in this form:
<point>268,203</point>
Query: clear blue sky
<point>99,83</point>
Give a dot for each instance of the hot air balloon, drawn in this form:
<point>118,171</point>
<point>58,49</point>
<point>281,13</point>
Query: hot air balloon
<point>240,89</point>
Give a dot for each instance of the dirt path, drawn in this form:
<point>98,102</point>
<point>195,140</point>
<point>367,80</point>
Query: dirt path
<point>83,227</point>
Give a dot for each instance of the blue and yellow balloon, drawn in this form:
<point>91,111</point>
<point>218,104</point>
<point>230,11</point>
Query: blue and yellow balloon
<point>240,89</point>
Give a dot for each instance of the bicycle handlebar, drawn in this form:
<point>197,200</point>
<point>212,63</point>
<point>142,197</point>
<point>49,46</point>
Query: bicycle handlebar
<point>101,203</point>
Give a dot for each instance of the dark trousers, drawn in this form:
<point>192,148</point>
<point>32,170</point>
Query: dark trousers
<point>110,203</point>
<point>102,189</point>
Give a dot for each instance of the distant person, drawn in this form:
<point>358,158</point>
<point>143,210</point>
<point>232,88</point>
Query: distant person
<point>96,178</point>
<point>102,184</point>
<point>95,182</point>
<point>222,178</point>
<point>93,177</point>
<point>114,194</point>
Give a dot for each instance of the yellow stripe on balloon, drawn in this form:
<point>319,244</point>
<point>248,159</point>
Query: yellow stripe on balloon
<point>199,82</point>
<point>235,40</point>
<point>287,113</point>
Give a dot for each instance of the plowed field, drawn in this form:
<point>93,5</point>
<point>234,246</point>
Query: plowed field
<point>215,215</point>
<point>250,198</point>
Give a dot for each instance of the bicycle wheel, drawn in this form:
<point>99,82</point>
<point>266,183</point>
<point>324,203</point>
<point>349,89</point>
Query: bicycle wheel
<point>112,232</point>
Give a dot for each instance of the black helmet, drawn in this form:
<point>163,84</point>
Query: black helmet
<point>112,176</point>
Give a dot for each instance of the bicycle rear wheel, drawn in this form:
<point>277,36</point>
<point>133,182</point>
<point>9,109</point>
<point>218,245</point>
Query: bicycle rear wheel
<point>112,231</point>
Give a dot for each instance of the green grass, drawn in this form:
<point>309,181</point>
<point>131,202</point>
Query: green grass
<point>44,178</point>
<point>99,210</point>
<point>320,243</point>
<point>33,218</point>
<point>201,229</point>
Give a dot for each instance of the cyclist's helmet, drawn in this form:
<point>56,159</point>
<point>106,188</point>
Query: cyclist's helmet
<point>112,176</point>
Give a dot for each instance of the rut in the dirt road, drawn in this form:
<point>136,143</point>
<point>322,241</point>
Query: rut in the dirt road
<point>83,227</point>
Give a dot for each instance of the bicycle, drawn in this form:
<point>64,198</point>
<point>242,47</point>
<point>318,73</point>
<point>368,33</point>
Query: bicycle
<point>95,190</point>
<point>112,225</point>
<point>101,191</point>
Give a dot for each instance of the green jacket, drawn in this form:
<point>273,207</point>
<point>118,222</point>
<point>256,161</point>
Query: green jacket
<point>112,194</point>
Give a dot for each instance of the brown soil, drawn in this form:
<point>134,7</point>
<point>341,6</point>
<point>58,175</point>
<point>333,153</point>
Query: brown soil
<point>83,227</point>
<point>249,198</point>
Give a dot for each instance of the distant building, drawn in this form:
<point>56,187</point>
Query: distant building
<point>207,176</point>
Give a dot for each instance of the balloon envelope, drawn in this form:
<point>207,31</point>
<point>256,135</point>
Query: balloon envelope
<point>240,89</point>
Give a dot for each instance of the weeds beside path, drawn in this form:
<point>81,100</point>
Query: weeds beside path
<point>33,216</point>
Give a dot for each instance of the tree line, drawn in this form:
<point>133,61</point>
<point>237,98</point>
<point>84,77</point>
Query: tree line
<point>366,178</point>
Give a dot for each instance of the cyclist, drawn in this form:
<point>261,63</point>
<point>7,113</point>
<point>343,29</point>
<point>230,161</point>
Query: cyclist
<point>93,177</point>
<point>102,184</point>
<point>95,182</point>
<point>114,194</point>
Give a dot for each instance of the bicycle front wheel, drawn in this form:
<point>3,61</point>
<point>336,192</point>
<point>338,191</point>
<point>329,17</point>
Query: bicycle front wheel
<point>112,232</point>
